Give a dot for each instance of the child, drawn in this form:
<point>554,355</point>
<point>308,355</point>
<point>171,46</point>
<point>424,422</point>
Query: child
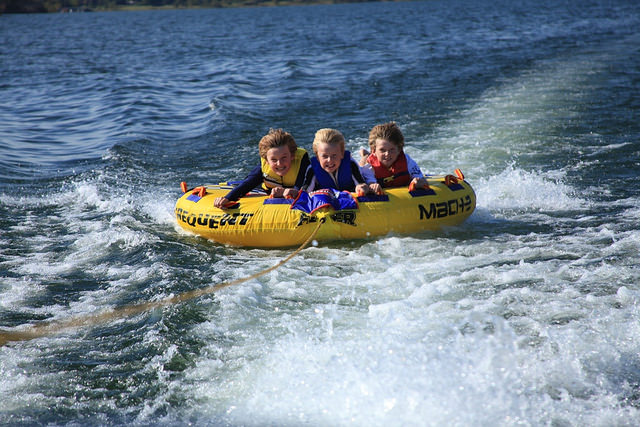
<point>391,166</point>
<point>281,172</point>
<point>333,167</point>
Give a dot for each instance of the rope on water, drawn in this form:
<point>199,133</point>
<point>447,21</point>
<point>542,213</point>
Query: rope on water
<point>51,328</point>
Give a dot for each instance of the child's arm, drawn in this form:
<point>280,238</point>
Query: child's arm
<point>311,186</point>
<point>309,178</point>
<point>253,180</point>
<point>413,168</point>
<point>364,154</point>
<point>370,178</point>
<point>368,174</point>
<point>305,173</point>
<point>365,179</point>
<point>418,181</point>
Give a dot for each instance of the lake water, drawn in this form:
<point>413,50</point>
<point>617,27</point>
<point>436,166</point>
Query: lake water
<point>528,314</point>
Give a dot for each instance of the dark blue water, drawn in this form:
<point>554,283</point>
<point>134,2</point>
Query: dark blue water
<point>525,315</point>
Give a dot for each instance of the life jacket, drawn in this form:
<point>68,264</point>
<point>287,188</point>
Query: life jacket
<point>395,176</point>
<point>273,180</point>
<point>344,178</point>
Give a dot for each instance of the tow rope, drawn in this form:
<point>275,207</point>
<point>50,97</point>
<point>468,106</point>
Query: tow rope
<point>50,328</point>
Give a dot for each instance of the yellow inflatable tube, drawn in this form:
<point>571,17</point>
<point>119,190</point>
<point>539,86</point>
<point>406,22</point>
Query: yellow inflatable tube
<point>257,221</point>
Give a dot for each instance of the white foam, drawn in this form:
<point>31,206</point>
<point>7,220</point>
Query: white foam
<point>518,190</point>
<point>16,291</point>
<point>437,354</point>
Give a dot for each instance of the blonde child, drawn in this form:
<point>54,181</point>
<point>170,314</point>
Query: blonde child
<point>281,172</point>
<point>389,163</point>
<point>333,166</point>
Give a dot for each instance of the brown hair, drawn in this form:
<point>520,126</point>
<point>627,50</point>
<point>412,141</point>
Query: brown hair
<point>276,138</point>
<point>389,131</point>
<point>328,136</point>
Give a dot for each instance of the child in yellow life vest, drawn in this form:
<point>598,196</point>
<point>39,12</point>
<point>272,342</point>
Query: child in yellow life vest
<point>333,166</point>
<point>281,172</point>
<point>391,166</point>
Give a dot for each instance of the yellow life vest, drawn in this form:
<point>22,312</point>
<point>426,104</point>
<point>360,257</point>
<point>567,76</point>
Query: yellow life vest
<point>272,179</point>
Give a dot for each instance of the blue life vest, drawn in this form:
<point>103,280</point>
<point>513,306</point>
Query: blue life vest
<point>325,180</point>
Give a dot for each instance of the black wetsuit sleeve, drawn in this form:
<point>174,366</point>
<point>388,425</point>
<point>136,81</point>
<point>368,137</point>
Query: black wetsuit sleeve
<point>305,173</point>
<point>355,172</point>
<point>253,180</point>
<point>308,178</point>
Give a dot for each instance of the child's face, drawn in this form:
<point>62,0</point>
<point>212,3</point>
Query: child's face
<point>329,156</point>
<point>279,159</point>
<point>386,152</point>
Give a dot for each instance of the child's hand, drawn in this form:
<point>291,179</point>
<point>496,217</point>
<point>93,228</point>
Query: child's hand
<point>277,192</point>
<point>290,193</point>
<point>220,202</point>
<point>362,189</point>
<point>376,188</point>
<point>418,183</point>
<point>363,157</point>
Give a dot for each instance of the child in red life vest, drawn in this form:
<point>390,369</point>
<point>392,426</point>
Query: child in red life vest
<point>281,172</point>
<point>391,166</point>
<point>333,166</point>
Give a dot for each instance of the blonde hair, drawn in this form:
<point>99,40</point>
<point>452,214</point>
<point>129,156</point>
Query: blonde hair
<point>276,138</point>
<point>389,131</point>
<point>328,136</point>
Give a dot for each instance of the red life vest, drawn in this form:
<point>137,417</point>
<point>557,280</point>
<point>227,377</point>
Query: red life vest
<point>395,176</point>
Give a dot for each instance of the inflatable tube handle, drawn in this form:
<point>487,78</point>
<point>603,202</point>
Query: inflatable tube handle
<point>450,179</point>
<point>199,191</point>
<point>231,204</point>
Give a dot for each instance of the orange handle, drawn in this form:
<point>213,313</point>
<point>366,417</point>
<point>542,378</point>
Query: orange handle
<point>230,204</point>
<point>450,179</point>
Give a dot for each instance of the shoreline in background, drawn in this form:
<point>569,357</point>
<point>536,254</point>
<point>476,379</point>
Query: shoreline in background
<point>78,6</point>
